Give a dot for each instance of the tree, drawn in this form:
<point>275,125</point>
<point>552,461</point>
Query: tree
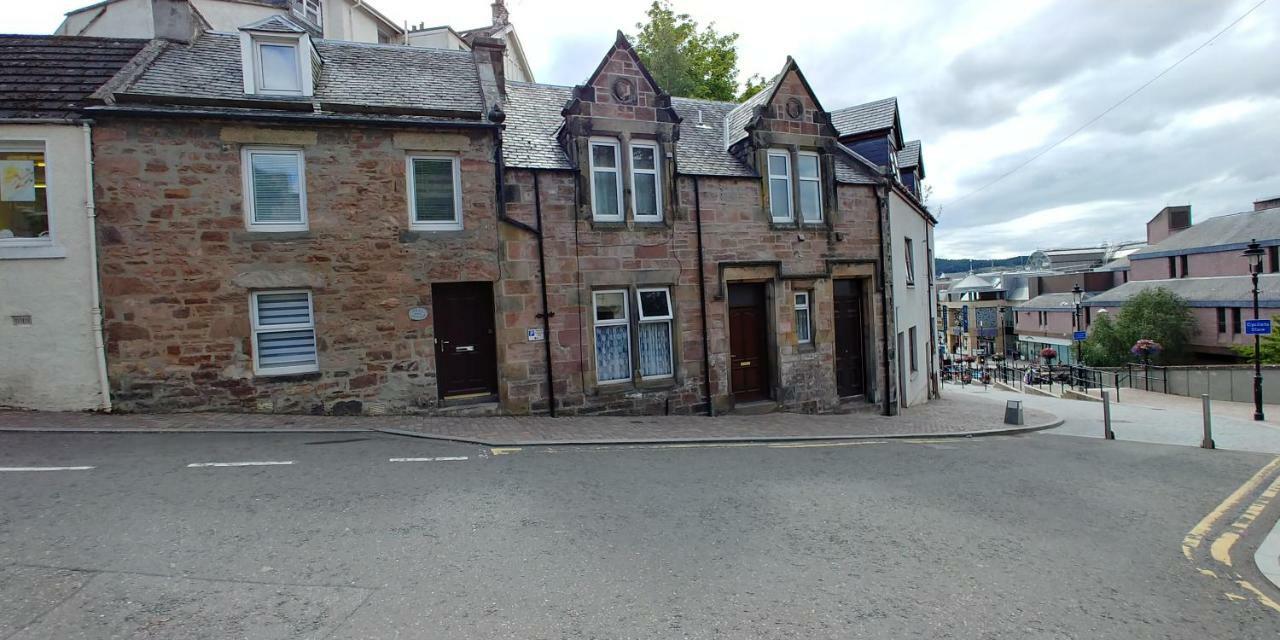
<point>685,61</point>
<point>1155,314</point>
<point>1269,346</point>
<point>755,84</point>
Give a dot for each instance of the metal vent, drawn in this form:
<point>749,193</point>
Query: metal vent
<point>21,321</point>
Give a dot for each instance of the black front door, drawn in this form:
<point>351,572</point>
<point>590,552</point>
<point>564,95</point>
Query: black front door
<point>466,363</point>
<point>748,342</point>
<point>850,363</point>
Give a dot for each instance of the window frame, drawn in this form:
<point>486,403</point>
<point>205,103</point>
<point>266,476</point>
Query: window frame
<point>259,78</point>
<point>909,253</point>
<point>669,319</point>
<point>817,180</point>
<point>1237,322</point>
<point>656,172</point>
<point>48,240</point>
<point>250,211</point>
<point>300,10</point>
<point>255,329</point>
<point>1222,320</point>
<point>912,337</point>
<point>807,307</point>
<point>1184,265</point>
<point>770,176</point>
<point>596,322</point>
<point>411,187</point>
<point>616,144</point>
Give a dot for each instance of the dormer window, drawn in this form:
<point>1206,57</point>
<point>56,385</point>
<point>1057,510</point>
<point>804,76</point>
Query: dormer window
<point>795,187</point>
<point>780,186</point>
<point>278,66</point>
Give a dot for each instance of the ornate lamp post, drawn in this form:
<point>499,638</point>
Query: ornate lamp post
<point>1254,253</point>
<point>1077,294</point>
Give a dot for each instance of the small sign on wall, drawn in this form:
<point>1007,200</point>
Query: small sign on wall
<point>535,335</point>
<point>417,314</point>
<point>1257,327</point>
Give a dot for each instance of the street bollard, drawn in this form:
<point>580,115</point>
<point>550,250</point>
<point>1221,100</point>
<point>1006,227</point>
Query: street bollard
<point>1106,416</point>
<point>1207,442</point>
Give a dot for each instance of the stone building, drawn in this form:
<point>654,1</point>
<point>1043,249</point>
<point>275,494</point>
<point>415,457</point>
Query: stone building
<point>377,228</point>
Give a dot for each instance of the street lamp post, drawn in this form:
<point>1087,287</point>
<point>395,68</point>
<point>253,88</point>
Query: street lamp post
<point>1077,294</point>
<point>1254,254</point>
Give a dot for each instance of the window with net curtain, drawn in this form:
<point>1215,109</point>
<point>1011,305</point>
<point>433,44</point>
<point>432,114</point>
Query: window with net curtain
<point>613,336</point>
<point>434,197</point>
<point>655,332</point>
<point>24,198</point>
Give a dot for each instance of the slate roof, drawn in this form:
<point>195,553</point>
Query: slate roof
<point>701,149</point>
<point>974,282</point>
<point>50,77</point>
<point>1222,291</point>
<point>351,73</point>
<point>863,118</point>
<point>909,157</point>
<point>1223,233</point>
<point>736,121</point>
<point>275,24</point>
<point>533,117</point>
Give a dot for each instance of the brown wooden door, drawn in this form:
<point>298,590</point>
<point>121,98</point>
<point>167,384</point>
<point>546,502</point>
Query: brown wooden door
<point>850,363</point>
<point>466,361</point>
<point>748,342</point>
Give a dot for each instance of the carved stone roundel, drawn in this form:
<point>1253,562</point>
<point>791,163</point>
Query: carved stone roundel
<point>794,109</point>
<point>624,90</point>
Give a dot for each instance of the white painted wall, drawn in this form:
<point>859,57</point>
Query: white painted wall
<point>230,16</point>
<point>441,38</point>
<point>912,305</point>
<point>51,364</point>
<point>343,20</point>
<point>124,19</point>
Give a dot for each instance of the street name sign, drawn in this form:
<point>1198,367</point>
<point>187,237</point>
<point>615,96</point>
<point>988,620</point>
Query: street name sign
<point>1257,327</point>
<point>1081,335</point>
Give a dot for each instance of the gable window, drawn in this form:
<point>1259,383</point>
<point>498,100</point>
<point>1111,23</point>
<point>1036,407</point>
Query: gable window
<point>809,177</point>
<point>278,67</point>
<point>24,197</point>
<point>655,332</point>
<point>804,319</point>
<point>284,333</point>
<point>613,336</point>
<point>606,181</point>
<point>274,189</point>
<point>309,10</point>
<point>780,186</point>
<point>646,190</point>
<point>435,193</point>
<point>909,253</point>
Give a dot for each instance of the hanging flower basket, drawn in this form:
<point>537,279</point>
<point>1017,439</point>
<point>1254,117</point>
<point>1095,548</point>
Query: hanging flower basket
<point>1145,348</point>
<point>1049,354</point>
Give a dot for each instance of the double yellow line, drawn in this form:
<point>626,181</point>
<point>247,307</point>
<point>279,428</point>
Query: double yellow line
<point>1220,548</point>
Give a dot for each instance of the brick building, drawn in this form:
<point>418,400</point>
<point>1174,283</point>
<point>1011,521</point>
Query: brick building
<point>299,225</point>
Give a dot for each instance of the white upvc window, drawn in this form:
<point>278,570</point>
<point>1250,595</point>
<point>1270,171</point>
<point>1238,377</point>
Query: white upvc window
<point>804,319</point>
<point>24,196</point>
<point>909,251</point>
<point>435,193</point>
<point>613,336</point>
<point>277,65</point>
<point>655,332</point>
<point>780,186</point>
<point>606,180</point>
<point>809,179</point>
<point>284,333</point>
<point>646,185</point>
<point>275,195</point>
<point>309,10</point>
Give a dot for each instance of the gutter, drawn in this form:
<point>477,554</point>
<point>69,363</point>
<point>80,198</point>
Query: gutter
<point>882,204</point>
<point>95,307</point>
<point>702,300</point>
<point>309,118</point>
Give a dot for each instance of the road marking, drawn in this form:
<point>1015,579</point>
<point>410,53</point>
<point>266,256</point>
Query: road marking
<point>266,463</point>
<point>503,451</point>
<point>440,459</point>
<point>46,468</point>
<point>1193,538</point>
<point>1262,597</point>
<point>1221,548</point>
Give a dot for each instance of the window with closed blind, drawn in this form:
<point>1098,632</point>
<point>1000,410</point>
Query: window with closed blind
<point>435,193</point>
<point>284,333</point>
<point>274,188</point>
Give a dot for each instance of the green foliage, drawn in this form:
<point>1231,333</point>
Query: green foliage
<point>1155,314</point>
<point>684,60</point>
<point>1268,347</point>
<point>754,85</point>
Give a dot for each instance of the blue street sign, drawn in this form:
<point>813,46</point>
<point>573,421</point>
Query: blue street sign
<point>1080,335</point>
<point>1257,327</point>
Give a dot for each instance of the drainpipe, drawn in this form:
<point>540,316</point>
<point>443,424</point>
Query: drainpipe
<point>95,307</point>
<point>702,300</point>
<point>882,203</point>
<point>546,309</point>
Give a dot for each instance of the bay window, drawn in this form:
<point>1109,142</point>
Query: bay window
<point>284,333</point>
<point>606,181</point>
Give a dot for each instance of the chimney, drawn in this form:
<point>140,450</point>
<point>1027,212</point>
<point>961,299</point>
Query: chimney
<point>173,20</point>
<point>1169,221</point>
<point>489,54</point>
<point>501,17</point>
<point>1269,203</point>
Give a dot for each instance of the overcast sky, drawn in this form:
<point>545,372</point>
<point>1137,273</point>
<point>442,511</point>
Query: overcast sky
<point>984,85</point>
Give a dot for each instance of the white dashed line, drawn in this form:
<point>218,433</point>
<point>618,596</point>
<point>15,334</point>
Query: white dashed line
<point>442,459</point>
<point>239,464</point>
<point>46,468</point>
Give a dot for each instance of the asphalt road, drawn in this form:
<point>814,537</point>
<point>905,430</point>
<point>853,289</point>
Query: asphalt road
<point>1029,537</point>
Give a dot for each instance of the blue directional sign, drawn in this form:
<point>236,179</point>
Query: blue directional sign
<point>1257,327</point>
<point>1080,335</point>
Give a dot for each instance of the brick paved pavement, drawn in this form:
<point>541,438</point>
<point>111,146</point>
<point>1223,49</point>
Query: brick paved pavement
<point>954,415</point>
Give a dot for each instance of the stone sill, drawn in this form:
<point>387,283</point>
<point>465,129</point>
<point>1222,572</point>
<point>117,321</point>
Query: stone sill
<point>643,386</point>
<point>288,377</point>
<point>32,252</point>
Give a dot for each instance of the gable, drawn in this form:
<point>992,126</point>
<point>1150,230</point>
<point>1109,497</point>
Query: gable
<point>793,108</point>
<point>621,87</point>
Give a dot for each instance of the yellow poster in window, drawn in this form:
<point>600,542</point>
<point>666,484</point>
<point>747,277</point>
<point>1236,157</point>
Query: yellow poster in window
<point>17,181</point>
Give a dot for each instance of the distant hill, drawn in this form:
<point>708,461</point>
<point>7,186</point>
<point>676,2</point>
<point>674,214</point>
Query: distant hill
<point>961,265</point>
